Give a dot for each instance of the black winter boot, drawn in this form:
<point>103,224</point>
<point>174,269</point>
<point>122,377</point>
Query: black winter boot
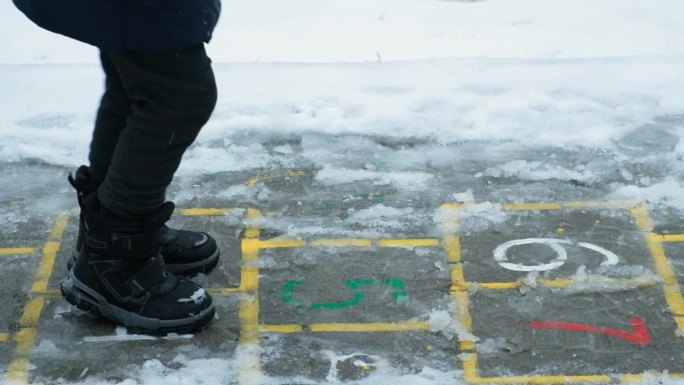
<point>184,252</point>
<point>120,275</point>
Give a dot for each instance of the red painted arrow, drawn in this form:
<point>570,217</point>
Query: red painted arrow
<point>638,335</point>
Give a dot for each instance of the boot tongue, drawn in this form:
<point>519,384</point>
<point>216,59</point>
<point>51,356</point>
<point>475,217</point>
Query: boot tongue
<point>134,240</point>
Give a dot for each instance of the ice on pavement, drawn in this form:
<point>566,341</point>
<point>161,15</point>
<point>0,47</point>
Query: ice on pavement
<point>590,104</point>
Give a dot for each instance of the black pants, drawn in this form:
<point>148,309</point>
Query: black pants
<point>153,107</point>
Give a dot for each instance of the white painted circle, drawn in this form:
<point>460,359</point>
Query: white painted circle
<point>555,244</point>
<point>611,258</point>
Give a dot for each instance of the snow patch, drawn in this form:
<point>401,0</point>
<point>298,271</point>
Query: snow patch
<point>331,176</point>
<point>46,348</point>
<point>121,334</point>
<point>197,297</point>
<point>442,321</point>
<point>539,171</point>
<point>470,216</point>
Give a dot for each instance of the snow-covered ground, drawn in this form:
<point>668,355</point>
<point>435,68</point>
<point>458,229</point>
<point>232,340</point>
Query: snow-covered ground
<point>369,30</point>
<point>548,73</point>
<point>581,76</point>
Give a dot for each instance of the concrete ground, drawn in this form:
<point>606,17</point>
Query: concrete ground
<point>535,281</point>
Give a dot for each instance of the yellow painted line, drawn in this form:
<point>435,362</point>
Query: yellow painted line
<point>347,327</point>
<point>642,218</point>
<point>408,242</point>
<point>369,327</point>
<point>58,228</point>
<point>532,206</point>
<point>46,266</point>
<point>544,380</point>
<point>499,285</point>
<point>671,287</point>
<point>49,293</point>
<point>50,250</point>
<point>294,328</point>
<point>622,204</point>
<point>17,371</point>
<point>250,279</point>
<point>205,212</point>
<point>252,231</point>
<point>542,206</point>
<point>24,339</point>
<point>354,242</point>
<point>278,174</point>
<point>458,284</point>
<point>459,294</point>
<point>17,250</point>
<point>452,205</point>
<point>672,238</point>
<point>342,242</point>
<point>4,337</point>
<point>452,244</point>
<point>563,283</point>
<point>223,291</point>
<point>469,361</point>
<point>462,315</point>
<point>248,313</point>
<point>32,311</point>
<point>281,243</point>
<point>630,378</point>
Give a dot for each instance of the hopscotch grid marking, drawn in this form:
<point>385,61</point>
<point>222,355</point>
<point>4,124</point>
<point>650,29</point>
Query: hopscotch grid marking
<point>6,251</point>
<point>459,290</point>
<point>564,283</point>
<point>277,174</point>
<point>25,338</point>
<point>17,370</point>
<point>208,212</point>
<point>671,237</point>
<point>566,379</point>
<point>351,242</point>
<point>671,288</point>
<point>248,313</point>
<point>359,327</point>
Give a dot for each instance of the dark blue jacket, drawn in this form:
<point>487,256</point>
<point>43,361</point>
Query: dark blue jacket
<point>138,25</point>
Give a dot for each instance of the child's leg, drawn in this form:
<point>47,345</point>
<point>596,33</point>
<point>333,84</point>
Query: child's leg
<point>115,107</point>
<point>172,95</point>
<point>185,252</point>
<point>119,272</point>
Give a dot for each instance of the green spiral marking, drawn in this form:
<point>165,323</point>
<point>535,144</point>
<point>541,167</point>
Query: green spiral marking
<point>356,285</point>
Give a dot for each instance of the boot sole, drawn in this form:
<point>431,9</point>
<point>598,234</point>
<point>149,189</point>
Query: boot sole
<point>204,266</point>
<point>86,299</point>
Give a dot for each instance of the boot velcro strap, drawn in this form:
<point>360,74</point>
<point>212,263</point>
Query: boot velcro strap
<point>133,247</point>
<point>150,275</point>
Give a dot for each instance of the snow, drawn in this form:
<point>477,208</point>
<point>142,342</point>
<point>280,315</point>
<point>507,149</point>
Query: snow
<point>330,176</point>
<point>443,322</point>
<point>372,30</point>
<point>563,74</point>
<point>121,334</point>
